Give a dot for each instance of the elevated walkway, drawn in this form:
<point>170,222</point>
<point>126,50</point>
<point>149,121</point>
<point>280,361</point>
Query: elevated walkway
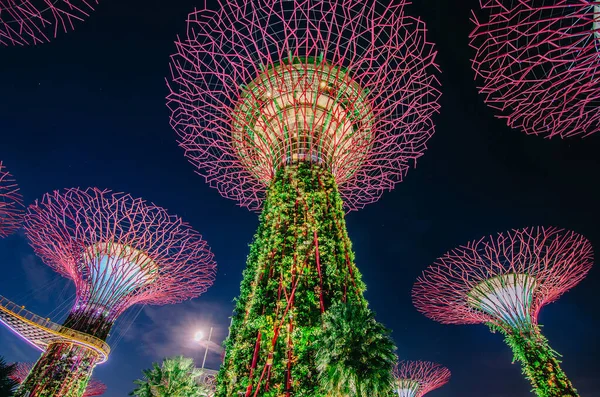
<point>40,332</point>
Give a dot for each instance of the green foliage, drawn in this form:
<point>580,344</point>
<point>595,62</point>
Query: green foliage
<point>64,369</point>
<point>176,377</point>
<point>300,263</point>
<point>7,385</point>
<point>355,355</point>
<point>539,362</point>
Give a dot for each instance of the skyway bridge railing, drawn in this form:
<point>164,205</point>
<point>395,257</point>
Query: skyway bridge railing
<point>40,331</point>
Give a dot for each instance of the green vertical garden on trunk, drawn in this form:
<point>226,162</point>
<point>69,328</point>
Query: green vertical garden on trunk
<point>300,263</point>
<point>539,362</point>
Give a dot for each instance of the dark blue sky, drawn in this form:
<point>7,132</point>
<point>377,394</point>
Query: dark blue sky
<point>88,109</point>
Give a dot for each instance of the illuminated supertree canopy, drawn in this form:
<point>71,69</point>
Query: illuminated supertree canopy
<point>119,251</point>
<point>335,83</point>
<point>300,108</point>
<point>11,203</point>
<point>539,64</point>
<point>417,378</point>
<point>94,387</point>
<point>504,281</point>
<point>24,22</point>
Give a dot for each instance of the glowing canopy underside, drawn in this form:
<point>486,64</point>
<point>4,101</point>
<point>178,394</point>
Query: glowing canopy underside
<point>41,332</point>
<point>303,110</point>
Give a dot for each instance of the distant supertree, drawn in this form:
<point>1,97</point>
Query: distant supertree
<point>539,62</point>
<point>94,387</point>
<point>417,378</point>
<point>25,22</point>
<point>504,281</point>
<point>309,105</point>
<point>11,203</point>
<point>119,251</point>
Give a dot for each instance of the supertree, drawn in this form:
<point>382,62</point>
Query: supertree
<point>539,64</point>
<point>94,387</point>
<point>504,281</point>
<point>24,22</point>
<point>11,203</point>
<point>417,378</point>
<point>119,251</point>
<point>299,108</point>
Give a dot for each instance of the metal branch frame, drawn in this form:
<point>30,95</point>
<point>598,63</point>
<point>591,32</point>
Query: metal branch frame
<point>94,388</point>
<point>11,203</point>
<point>554,259</point>
<point>119,250</point>
<point>347,84</point>
<point>539,64</point>
<point>420,377</point>
<point>24,22</point>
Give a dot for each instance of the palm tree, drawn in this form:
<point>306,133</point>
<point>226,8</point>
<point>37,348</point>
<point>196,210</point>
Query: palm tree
<point>355,355</point>
<point>177,377</point>
<point>7,385</point>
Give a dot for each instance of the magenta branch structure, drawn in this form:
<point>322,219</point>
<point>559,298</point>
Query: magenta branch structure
<point>538,63</point>
<point>119,251</point>
<point>417,378</point>
<point>301,109</point>
<point>343,84</point>
<point>94,387</point>
<point>24,22</point>
<point>504,281</point>
<point>11,203</point>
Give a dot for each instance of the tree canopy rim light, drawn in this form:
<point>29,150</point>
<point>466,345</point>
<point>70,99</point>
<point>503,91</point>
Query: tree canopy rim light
<point>229,49</point>
<point>30,22</point>
<point>12,209</point>
<point>539,64</point>
<point>557,259</point>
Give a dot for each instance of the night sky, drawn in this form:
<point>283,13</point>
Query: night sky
<point>88,109</point>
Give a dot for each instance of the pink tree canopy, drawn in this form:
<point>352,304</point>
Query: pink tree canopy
<point>364,69</point>
<point>25,22</point>
<point>119,250</point>
<point>94,387</point>
<point>426,375</point>
<point>539,64</point>
<point>11,203</point>
<point>503,279</point>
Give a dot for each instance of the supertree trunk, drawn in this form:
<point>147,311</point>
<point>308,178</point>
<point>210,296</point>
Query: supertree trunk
<point>64,370</point>
<point>300,262</point>
<point>539,362</point>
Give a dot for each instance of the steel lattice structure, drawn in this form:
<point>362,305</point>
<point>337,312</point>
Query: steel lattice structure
<point>11,203</point>
<point>341,83</point>
<point>539,64</point>
<point>504,281</point>
<point>417,378</point>
<point>119,251</point>
<point>94,387</point>
<point>24,22</point>
<point>300,108</point>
